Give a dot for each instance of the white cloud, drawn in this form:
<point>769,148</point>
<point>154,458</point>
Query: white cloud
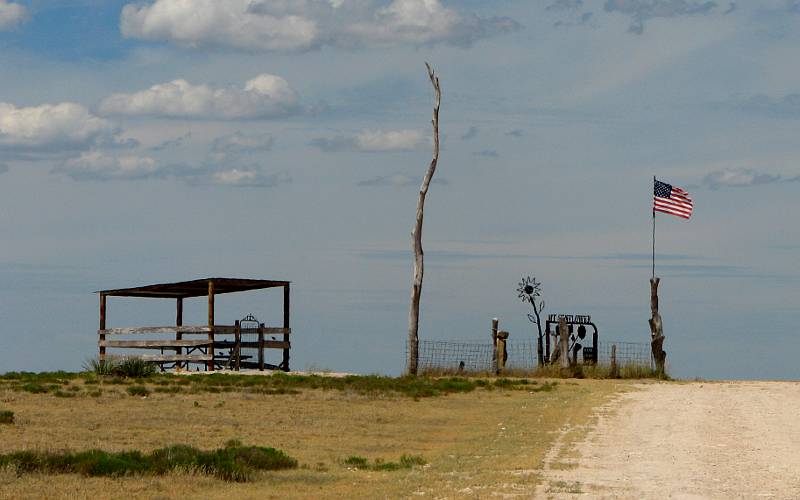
<point>264,96</point>
<point>240,143</point>
<point>261,25</point>
<point>372,141</point>
<point>11,14</point>
<point>742,177</point>
<point>100,166</point>
<point>398,180</point>
<point>248,178</point>
<point>52,126</point>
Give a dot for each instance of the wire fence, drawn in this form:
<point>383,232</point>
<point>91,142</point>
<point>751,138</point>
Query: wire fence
<point>445,356</point>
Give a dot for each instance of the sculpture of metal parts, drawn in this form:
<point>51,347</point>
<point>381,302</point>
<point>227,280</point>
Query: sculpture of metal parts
<point>589,353</point>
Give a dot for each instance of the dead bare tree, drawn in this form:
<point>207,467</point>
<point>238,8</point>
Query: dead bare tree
<point>656,328</point>
<point>416,234</point>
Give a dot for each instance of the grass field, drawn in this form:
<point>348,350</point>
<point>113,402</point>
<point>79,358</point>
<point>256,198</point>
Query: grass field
<point>366,437</point>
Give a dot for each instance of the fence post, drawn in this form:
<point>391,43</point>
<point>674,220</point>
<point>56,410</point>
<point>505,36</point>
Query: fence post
<point>495,325</point>
<point>238,346</point>
<point>613,361</point>
<point>563,333</point>
<point>502,354</point>
<point>261,347</point>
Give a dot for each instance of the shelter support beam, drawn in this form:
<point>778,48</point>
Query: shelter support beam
<point>102,353</point>
<point>210,363</point>
<point>286,294</point>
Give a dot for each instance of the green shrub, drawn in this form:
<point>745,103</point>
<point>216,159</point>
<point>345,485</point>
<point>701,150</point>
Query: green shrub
<point>138,390</point>
<point>232,463</point>
<point>356,461</point>
<point>34,388</point>
<point>409,461</point>
<point>6,417</point>
<point>135,368</point>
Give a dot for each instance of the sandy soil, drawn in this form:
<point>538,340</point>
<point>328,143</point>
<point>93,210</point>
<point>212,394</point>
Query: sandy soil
<point>685,440</point>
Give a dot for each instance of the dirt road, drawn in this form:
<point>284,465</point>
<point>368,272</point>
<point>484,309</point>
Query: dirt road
<point>685,440</point>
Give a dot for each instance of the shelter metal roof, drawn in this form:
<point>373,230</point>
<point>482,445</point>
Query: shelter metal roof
<point>194,288</point>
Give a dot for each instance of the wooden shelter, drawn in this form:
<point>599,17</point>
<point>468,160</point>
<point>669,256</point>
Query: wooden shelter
<point>212,337</point>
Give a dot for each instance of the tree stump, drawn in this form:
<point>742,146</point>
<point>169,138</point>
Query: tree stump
<point>656,328</point>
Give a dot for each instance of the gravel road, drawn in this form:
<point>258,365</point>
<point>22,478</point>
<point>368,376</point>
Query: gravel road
<point>686,440</point>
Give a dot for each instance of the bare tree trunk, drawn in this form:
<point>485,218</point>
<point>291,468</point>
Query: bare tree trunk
<point>656,328</point>
<point>416,234</point>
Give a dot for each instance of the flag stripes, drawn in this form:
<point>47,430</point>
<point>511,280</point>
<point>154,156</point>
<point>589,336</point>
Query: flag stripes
<point>671,200</point>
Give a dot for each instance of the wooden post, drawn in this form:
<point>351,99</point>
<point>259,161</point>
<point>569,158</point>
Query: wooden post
<point>102,353</point>
<point>656,328</point>
<point>502,353</point>
<point>179,322</point>
<point>563,332</point>
<point>495,325</point>
<point>261,347</point>
<point>547,344</point>
<point>237,348</point>
<point>285,364</point>
<point>614,361</point>
<point>210,363</point>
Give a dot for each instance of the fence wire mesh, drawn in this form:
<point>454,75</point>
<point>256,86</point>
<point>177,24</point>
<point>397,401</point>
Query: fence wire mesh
<point>446,356</point>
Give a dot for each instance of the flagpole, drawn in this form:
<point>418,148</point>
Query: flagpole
<point>654,231</point>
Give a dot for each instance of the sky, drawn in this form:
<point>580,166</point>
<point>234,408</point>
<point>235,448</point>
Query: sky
<point>168,140</point>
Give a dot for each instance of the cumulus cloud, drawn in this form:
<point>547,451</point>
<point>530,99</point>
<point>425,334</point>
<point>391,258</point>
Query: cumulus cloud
<point>52,126</point>
<point>240,143</point>
<point>372,141</point>
<point>268,25</point>
<point>265,96</point>
<point>11,14</point>
<point>172,143</point>
<point>236,177</point>
<point>398,180</point>
<point>743,177</point>
<point>100,166</point>
<point>642,10</point>
<point>105,166</point>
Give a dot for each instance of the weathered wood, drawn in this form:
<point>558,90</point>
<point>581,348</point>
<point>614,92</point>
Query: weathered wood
<point>102,352</point>
<point>495,326</point>
<point>266,344</point>
<point>502,352</point>
<point>162,358</point>
<point>179,322</point>
<point>152,344</point>
<point>286,296</point>
<point>238,348</point>
<point>416,233</point>
<point>656,328</point>
<point>613,361</point>
<point>563,335</point>
<point>261,347</point>
<point>184,330</point>
<point>210,364</point>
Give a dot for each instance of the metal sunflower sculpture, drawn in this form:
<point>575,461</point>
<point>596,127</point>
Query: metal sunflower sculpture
<point>529,290</point>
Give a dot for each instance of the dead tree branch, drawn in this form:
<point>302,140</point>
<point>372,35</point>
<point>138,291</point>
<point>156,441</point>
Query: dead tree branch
<point>416,234</point>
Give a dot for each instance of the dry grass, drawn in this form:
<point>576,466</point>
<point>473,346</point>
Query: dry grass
<point>483,441</point>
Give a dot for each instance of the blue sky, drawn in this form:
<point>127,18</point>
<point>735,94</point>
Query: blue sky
<point>169,140</point>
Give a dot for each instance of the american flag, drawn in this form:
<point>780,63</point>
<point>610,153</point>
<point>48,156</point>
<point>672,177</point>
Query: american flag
<point>671,200</point>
